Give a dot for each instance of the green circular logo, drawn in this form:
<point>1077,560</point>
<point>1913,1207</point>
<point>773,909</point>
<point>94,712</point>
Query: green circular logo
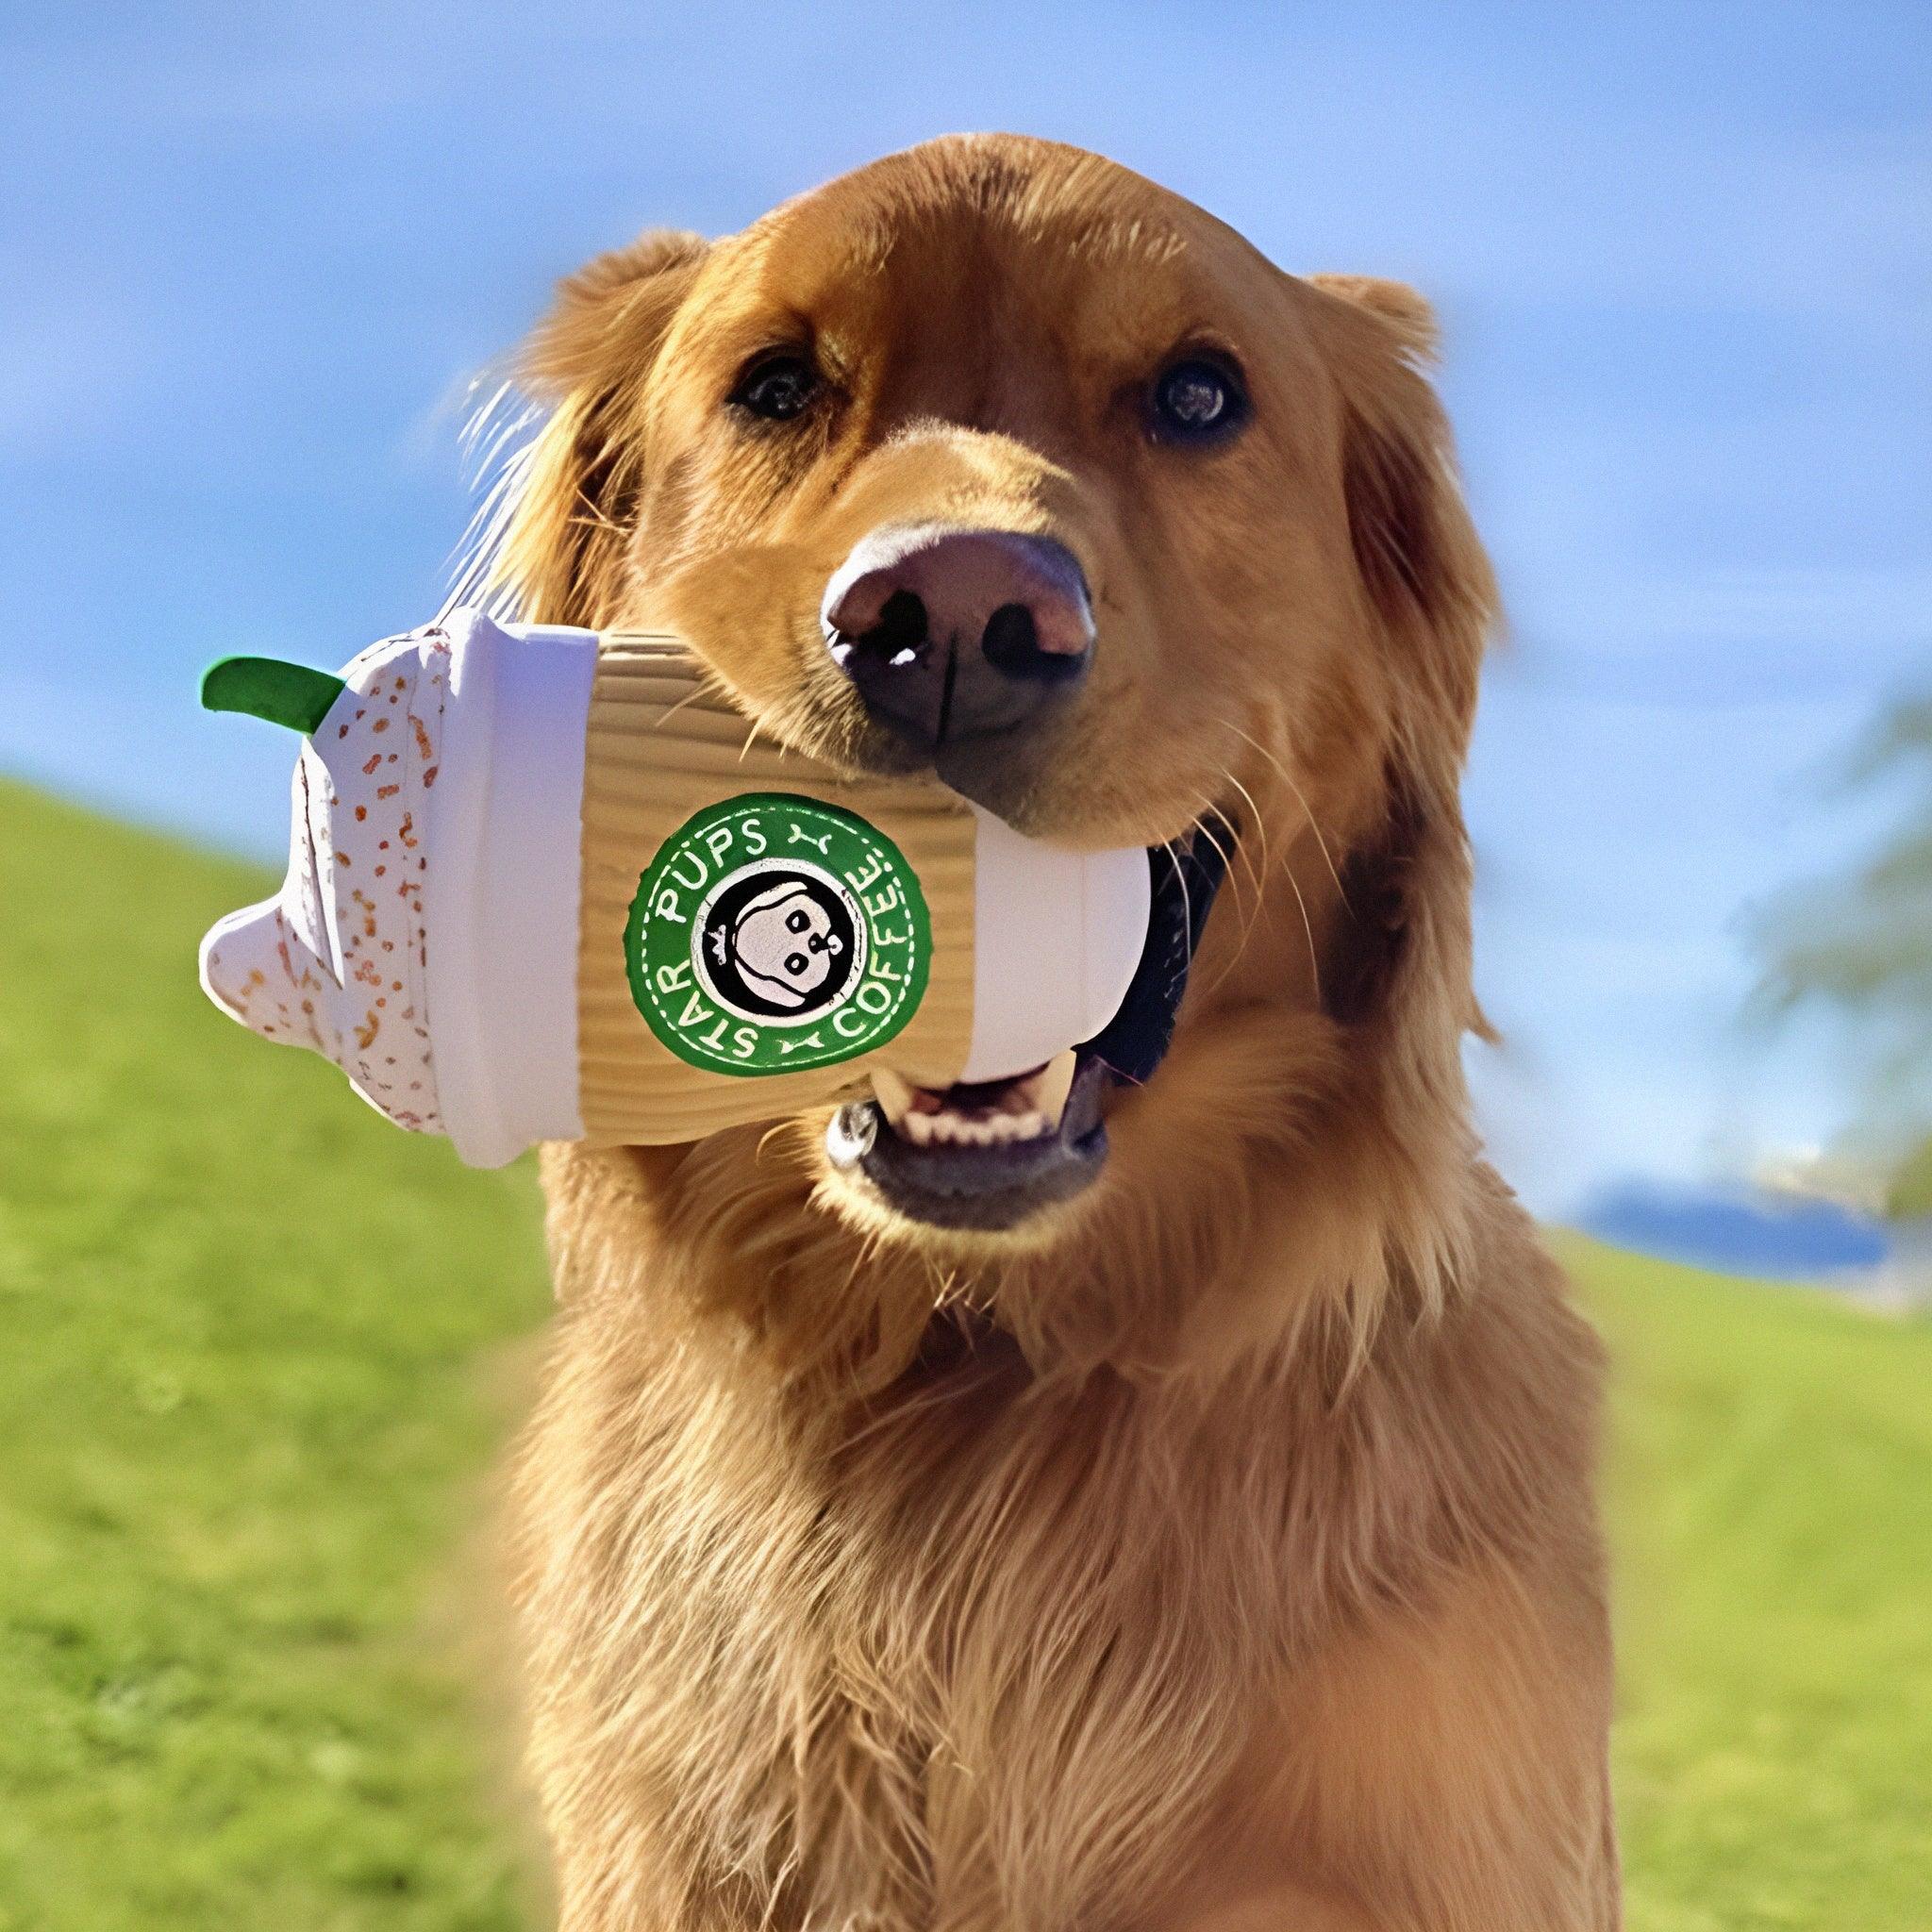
<point>770,933</point>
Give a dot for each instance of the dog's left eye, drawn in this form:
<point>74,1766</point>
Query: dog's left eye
<point>778,388</point>
<point>1195,401</point>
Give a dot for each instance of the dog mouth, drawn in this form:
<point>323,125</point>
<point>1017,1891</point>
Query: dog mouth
<point>989,1154</point>
<point>982,1155</point>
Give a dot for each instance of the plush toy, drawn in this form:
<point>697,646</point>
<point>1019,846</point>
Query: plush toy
<point>545,884</point>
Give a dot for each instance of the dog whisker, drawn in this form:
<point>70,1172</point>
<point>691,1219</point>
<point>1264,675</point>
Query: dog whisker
<point>1251,916</point>
<point>689,699</point>
<point>1294,885</point>
<point>1205,821</point>
<point>597,520</point>
<point>1174,859</point>
<point>1301,799</point>
<point>1260,827</point>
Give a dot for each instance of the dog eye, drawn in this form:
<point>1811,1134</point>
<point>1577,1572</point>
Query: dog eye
<point>777,389</point>
<point>1195,401</point>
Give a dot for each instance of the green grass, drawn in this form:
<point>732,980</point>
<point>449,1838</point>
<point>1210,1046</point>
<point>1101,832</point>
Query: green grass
<point>247,1401</point>
<point>1772,1500</point>
<point>243,1398</point>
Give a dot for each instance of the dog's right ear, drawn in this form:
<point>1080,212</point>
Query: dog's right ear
<point>609,317</point>
<point>561,557</point>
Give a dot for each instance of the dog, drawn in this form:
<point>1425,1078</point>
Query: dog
<point>1182,1518</point>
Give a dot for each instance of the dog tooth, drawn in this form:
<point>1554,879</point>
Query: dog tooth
<point>917,1127</point>
<point>1026,1126</point>
<point>1052,1085</point>
<point>895,1094</point>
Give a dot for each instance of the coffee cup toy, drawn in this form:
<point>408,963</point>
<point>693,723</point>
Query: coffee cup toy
<point>547,884</point>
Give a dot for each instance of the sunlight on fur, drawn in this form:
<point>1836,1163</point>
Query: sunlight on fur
<point>1218,1549</point>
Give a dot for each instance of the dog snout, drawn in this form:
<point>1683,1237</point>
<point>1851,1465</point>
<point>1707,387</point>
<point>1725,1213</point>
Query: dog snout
<point>953,635</point>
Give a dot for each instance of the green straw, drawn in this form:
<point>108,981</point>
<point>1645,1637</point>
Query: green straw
<point>289,694</point>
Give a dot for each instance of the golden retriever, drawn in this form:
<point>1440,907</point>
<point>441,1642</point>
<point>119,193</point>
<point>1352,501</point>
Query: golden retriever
<point>1182,1518</point>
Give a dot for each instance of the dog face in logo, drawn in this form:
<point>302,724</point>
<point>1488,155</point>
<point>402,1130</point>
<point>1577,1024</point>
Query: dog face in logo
<point>783,944</point>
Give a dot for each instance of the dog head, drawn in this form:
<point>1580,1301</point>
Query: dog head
<point>995,460</point>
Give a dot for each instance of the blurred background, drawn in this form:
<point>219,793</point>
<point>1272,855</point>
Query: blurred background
<point>256,260</point>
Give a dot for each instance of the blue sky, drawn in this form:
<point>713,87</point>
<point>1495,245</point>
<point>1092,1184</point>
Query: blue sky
<point>251,255</point>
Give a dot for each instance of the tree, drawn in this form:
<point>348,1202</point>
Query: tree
<point>1863,946</point>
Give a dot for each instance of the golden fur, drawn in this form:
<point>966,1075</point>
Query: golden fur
<point>1219,1550</point>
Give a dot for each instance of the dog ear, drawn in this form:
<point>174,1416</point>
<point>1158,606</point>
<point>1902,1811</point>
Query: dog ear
<point>1409,530</point>
<point>1406,310</point>
<point>562,557</point>
<point>1402,949</point>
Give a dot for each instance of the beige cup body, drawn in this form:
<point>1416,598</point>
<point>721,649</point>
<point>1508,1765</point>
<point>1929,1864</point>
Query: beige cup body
<point>663,742</point>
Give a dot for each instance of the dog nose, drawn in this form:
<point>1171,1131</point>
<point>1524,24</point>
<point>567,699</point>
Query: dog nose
<point>952,634</point>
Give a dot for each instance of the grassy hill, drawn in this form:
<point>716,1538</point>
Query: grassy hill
<point>252,1334</point>
<point>243,1394</point>
<point>1771,1494</point>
